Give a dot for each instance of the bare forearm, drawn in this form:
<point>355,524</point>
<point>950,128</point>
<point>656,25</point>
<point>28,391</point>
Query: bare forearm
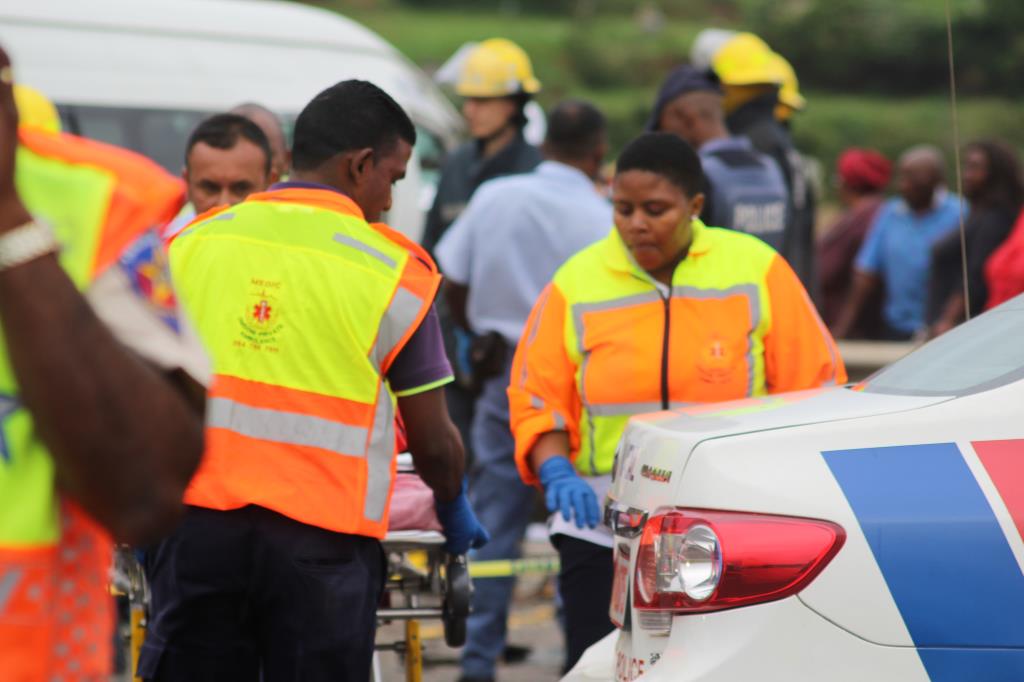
<point>442,465</point>
<point>434,443</point>
<point>551,444</point>
<point>124,441</point>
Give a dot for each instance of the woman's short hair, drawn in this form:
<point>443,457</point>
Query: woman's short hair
<point>667,155</point>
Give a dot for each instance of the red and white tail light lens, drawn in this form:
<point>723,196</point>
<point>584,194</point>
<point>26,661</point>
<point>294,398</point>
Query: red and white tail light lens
<point>695,560</point>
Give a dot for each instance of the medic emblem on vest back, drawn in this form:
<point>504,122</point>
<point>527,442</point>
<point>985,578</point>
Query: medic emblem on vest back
<point>261,319</point>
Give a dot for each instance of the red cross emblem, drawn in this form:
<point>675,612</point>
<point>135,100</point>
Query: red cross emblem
<point>261,312</point>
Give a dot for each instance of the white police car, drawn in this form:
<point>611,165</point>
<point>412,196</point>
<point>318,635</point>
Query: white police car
<point>869,532</point>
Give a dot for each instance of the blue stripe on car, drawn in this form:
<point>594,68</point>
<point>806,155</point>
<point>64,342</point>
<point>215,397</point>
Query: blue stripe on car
<point>943,555</point>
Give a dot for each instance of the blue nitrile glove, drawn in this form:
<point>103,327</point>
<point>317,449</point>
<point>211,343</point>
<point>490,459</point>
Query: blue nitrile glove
<point>462,531</point>
<point>564,490</point>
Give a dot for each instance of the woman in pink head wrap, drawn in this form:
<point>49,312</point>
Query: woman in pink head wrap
<point>863,175</point>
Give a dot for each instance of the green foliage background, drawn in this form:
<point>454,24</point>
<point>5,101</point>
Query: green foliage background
<point>875,72</point>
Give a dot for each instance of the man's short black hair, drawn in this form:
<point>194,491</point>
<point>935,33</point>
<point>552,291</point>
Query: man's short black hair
<point>667,155</point>
<point>575,130</point>
<point>222,131</point>
<point>350,115</point>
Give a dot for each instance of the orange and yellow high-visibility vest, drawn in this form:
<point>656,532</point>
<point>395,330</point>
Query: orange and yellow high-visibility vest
<point>605,342</point>
<point>302,306</point>
<point>56,619</point>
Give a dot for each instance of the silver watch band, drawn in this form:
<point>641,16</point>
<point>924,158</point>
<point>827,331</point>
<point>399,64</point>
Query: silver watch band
<point>26,243</point>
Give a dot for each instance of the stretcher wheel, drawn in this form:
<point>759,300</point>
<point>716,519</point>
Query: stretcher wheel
<point>457,593</point>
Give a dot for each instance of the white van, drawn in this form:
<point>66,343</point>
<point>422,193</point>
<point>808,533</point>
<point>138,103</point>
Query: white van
<point>142,73</point>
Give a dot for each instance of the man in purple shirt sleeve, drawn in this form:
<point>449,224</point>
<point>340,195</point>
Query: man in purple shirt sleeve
<point>422,365</point>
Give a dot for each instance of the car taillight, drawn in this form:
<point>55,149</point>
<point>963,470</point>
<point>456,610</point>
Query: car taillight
<point>694,560</point>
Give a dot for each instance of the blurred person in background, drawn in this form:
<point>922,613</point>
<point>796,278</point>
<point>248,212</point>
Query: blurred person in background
<point>495,80</point>
<point>751,77</point>
<point>993,189</point>
<point>270,124</point>
<point>497,258</point>
<point>896,253</point>
<point>227,158</point>
<point>745,189</point>
<point>862,176</point>
<point>662,312</point>
<point>805,193</point>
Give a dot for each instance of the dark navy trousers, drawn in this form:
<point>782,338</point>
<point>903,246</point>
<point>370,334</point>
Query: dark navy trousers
<point>253,595</point>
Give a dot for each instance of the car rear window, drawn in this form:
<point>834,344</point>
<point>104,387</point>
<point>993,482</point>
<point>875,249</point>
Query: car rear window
<point>981,354</point>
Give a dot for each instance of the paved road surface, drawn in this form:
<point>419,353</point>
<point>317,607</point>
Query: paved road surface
<point>532,624</point>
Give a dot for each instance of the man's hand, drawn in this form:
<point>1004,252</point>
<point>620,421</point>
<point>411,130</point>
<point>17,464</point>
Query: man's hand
<point>565,491</point>
<point>462,530</point>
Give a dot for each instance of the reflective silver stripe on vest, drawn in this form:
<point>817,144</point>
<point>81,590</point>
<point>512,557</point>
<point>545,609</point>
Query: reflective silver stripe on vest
<point>628,409</point>
<point>531,335</point>
<point>538,404</point>
<point>379,454</point>
<point>289,428</point>
<point>401,315</point>
<point>8,581</point>
<point>578,310</point>
<point>365,248</point>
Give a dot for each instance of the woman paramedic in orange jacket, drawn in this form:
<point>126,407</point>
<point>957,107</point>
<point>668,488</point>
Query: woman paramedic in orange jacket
<point>663,313</point>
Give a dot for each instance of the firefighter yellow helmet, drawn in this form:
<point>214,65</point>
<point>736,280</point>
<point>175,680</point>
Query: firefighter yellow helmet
<point>745,59</point>
<point>497,68</point>
<point>789,91</point>
<point>35,109</point>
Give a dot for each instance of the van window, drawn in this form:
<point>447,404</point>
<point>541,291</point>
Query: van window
<point>979,355</point>
<point>160,134</point>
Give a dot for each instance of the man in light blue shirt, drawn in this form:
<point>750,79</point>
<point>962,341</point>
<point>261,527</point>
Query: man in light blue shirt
<point>497,258</point>
<point>897,250</point>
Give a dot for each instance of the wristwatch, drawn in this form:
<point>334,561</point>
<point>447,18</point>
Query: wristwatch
<point>26,243</point>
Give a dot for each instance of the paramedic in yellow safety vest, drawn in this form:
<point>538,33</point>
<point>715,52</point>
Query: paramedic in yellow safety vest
<point>319,321</point>
<point>664,312</point>
<point>97,435</point>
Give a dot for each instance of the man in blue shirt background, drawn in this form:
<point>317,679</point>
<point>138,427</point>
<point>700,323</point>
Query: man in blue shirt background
<point>497,258</point>
<point>897,250</point>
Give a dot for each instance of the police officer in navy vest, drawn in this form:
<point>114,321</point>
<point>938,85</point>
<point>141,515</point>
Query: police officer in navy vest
<point>746,189</point>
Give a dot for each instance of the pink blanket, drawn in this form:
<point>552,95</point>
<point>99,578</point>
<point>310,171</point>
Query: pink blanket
<point>412,505</point>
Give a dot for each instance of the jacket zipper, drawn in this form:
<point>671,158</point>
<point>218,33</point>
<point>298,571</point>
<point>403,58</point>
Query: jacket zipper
<point>667,300</point>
